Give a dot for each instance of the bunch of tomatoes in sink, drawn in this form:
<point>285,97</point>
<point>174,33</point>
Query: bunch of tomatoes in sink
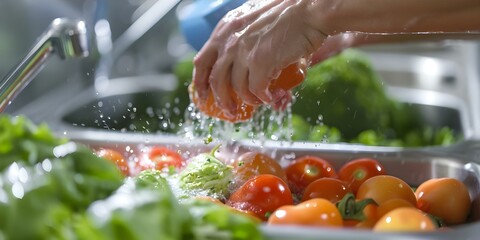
<point>309,191</point>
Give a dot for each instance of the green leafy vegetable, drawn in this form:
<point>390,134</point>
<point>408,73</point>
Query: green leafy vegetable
<point>44,180</point>
<point>214,221</point>
<point>137,215</point>
<point>205,174</point>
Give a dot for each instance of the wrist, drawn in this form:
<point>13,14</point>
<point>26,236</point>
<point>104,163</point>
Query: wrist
<point>323,15</point>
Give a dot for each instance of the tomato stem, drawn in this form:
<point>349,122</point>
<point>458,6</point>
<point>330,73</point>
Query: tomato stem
<point>352,209</point>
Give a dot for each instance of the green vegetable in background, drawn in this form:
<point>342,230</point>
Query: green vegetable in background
<point>206,174</point>
<point>346,93</point>
<point>323,133</point>
<point>44,184</point>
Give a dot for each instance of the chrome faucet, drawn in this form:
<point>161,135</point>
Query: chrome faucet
<point>64,37</point>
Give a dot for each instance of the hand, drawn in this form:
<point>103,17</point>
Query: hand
<point>249,47</point>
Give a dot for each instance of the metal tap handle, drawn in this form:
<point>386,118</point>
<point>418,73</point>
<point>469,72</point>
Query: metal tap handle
<point>64,37</point>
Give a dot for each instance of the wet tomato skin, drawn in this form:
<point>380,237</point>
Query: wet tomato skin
<point>332,189</point>
<point>159,158</point>
<point>289,77</point>
<point>313,212</point>
<point>446,198</point>
<point>359,170</point>
<point>262,195</point>
<point>116,157</point>
<point>385,187</point>
<point>304,170</point>
<point>405,219</point>
<point>250,164</point>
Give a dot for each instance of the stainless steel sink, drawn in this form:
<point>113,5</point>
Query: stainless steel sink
<point>144,104</point>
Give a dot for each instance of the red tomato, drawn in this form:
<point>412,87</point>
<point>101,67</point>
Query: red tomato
<point>357,171</point>
<point>313,212</point>
<point>251,164</point>
<point>332,189</point>
<point>160,158</point>
<point>446,198</point>
<point>261,195</point>
<point>385,187</point>
<point>405,219</point>
<point>304,170</point>
<point>245,213</point>
<point>116,157</point>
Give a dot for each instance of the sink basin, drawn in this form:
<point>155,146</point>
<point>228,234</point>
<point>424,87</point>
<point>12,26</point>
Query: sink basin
<point>146,105</point>
<point>141,104</point>
<point>149,104</point>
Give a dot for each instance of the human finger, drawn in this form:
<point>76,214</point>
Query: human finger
<point>240,84</point>
<point>220,83</point>
<point>203,63</point>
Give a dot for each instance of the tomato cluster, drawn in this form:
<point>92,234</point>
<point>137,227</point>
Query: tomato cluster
<point>310,191</point>
<point>153,157</point>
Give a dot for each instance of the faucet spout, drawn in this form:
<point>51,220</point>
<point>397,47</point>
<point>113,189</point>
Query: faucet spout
<point>64,37</point>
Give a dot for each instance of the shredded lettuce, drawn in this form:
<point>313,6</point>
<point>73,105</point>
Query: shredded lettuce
<point>206,175</point>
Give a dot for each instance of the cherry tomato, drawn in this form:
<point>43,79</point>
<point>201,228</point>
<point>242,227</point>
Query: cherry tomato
<point>373,212</point>
<point>405,219</point>
<point>116,157</point>
<point>246,213</point>
<point>212,109</point>
<point>446,198</point>
<point>385,187</point>
<point>357,171</point>
<point>160,158</point>
<point>313,212</point>
<point>289,78</point>
<point>332,189</point>
<point>304,170</point>
<point>261,195</point>
<point>253,163</point>
<point>357,213</point>
<point>390,205</point>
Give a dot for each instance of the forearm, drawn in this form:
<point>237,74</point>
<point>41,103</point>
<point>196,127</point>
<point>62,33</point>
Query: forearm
<point>394,16</point>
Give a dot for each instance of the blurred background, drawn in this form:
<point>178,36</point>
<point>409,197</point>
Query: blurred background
<point>443,74</point>
<point>23,21</point>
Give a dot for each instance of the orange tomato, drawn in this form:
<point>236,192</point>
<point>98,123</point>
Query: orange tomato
<point>116,157</point>
<point>446,198</point>
<point>404,219</point>
<point>313,212</point>
<point>357,213</point>
<point>332,189</point>
<point>253,163</point>
<point>374,212</point>
<point>385,187</point>
<point>261,195</point>
<point>392,204</point>
<point>289,78</point>
<point>211,108</point>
